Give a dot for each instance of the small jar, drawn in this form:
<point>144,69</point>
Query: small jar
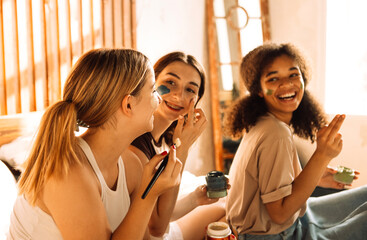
<point>344,175</point>
<point>218,231</point>
<point>216,184</point>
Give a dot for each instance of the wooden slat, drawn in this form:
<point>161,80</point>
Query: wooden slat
<point>117,13</point>
<point>91,23</point>
<point>126,21</point>
<point>3,105</point>
<point>107,20</point>
<point>76,29</point>
<point>53,57</point>
<point>16,71</point>
<point>214,89</point>
<point>112,26</point>
<point>102,30</point>
<point>31,81</point>
<point>69,46</point>
<point>97,24</point>
<point>44,57</point>
<point>264,8</point>
<point>133,24</point>
<point>81,42</point>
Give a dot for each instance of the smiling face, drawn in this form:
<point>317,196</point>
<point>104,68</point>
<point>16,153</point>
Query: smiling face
<point>282,87</point>
<point>177,84</point>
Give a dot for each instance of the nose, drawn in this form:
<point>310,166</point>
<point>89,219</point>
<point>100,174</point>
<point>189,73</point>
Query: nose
<point>178,94</point>
<point>287,81</point>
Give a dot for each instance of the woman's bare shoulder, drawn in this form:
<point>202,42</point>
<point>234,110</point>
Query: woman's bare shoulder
<point>74,198</point>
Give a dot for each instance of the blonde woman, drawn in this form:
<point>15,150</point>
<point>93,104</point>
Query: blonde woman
<point>75,187</point>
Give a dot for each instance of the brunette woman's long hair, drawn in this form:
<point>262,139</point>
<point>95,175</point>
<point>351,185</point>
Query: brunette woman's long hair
<point>161,64</point>
<point>246,111</point>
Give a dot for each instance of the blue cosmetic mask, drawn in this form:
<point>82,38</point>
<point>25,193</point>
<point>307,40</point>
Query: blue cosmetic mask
<point>163,90</point>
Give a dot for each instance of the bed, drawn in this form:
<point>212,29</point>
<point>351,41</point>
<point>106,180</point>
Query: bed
<point>16,134</point>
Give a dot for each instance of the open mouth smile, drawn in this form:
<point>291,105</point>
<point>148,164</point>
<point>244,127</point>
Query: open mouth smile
<point>173,106</point>
<point>287,96</point>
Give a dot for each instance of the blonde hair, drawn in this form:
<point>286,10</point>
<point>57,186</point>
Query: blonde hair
<point>93,92</point>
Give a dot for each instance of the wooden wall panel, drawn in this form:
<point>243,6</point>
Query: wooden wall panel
<point>3,100</point>
<point>42,39</point>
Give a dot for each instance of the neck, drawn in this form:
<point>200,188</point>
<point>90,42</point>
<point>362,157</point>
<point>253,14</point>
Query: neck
<point>284,117</point>
<point>107,146</point>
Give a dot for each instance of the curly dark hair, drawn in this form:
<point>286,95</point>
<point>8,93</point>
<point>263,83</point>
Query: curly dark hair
<point>160,65</point>
<point>245,112</point>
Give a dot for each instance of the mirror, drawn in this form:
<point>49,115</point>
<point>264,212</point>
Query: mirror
<point>234,28</point>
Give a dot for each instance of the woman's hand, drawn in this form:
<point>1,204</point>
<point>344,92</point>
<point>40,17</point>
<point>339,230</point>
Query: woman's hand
<point>169,178</point>
<point>200,195</point>
<point>329,141</point>
<point>188,132</point>
<point>327,180</point>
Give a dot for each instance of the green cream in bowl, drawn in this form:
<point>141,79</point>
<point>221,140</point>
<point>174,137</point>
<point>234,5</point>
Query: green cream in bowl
<point>344,175</point>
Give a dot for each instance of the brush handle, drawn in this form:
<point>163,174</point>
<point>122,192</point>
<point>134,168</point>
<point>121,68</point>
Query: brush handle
<point>155,177</point>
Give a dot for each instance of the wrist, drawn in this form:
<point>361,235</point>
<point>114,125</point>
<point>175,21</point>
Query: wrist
<point>322,157</point>
<point>193,200</point>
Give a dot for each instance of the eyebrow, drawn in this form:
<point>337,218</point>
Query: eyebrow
<point>176,76</point>
<point>274,72</point>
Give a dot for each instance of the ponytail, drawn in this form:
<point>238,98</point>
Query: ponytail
<point>54,150</point>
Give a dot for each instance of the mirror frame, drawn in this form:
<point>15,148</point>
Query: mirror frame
<point>213,74</point>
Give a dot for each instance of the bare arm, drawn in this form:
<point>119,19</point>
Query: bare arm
<point>160,218</point>
<point>192,200</point>
<point>188,134</point>
<point>329,145</point>
<point>74,202</point>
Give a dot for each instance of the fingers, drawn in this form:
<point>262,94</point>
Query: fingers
<point>340,186</point>
<point>178,130</point>
<point>334,126</point>
<point>191,113</point>
<point>200,118</point>
<point>174,165</point>
<point>331,170</point>
<point>157,159</point>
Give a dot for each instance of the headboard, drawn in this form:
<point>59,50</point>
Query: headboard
<point>13,126</point>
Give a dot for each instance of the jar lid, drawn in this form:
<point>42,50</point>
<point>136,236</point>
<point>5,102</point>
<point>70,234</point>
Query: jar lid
<point>218,229</point>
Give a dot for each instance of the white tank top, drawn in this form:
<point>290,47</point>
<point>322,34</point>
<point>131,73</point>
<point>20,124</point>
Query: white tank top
<point>29,222</point>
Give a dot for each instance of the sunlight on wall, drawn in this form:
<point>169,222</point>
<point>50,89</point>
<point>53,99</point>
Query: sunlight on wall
<point>346,57</point>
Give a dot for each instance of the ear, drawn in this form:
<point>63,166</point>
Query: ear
<point>261,94</point>
<point>126,105</point>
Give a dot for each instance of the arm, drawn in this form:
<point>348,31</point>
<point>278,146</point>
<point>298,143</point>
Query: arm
<point>159,220</point>
<point>74,202</point>
<point>188,134</point>
<point>329,145</point>
<point>190,201</point>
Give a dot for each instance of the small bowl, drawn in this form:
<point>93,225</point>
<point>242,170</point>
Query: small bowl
<point>344,175</point>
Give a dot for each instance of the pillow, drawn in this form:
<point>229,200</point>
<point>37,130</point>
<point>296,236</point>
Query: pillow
<point>16,152</point>
<point>8,193</point>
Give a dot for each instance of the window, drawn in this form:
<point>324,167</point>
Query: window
<point>346,57</point>
<point>41,39</point>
